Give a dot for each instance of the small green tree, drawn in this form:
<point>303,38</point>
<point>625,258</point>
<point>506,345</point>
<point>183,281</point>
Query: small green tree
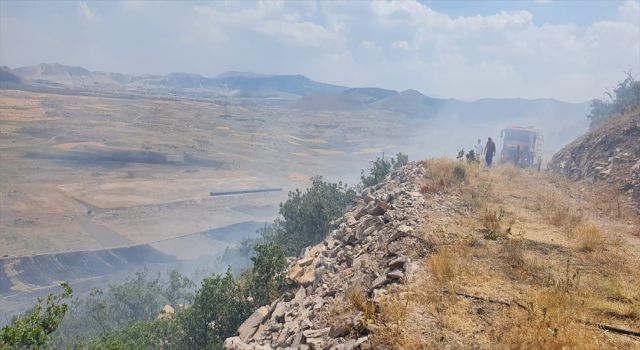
<point>219,308</point>
<point>305,216</point>
<point>381,167</point>
<point>400,160</point>
<point>267,274</point>
<point>471,157</point>
<point>139,298</point>
<point>178,289</point>
<point>625,98</point>
<point>31,331</point>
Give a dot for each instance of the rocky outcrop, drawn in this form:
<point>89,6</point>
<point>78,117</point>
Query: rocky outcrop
<point>609,153</point>
<point>372,247</point>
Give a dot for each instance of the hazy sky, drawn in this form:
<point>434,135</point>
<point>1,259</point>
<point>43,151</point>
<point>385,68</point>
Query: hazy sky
<point>571,50</point>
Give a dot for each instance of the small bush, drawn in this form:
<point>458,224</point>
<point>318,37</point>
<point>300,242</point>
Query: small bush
<point>589,238</point>
<point>444,264</point>
<point>459,173</point>
<point>442,174</point>
<point>513,252</point>
<point>357,300</point>
<point>381,167</point>
<point>492,225</point>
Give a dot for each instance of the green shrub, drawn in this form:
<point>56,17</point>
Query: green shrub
<point>459,173</point>
<point>305,216</point>
<point>32,330</point>
<point>267,280</point>
<point>381,167</point>
<point>625,98</point>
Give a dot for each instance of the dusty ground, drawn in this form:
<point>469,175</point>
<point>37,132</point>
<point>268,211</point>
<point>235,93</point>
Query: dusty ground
<point>527,261</point>
<point>82,172</point>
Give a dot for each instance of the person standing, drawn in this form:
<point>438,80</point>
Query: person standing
<point>479,149</point>
<point>489,151</point>
<point>517,156</point>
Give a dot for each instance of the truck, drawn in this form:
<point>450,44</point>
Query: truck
<point>522,146</point>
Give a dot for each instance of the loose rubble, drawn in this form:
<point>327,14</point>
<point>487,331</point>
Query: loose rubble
<point>371,247</point>
<point>610,153</point>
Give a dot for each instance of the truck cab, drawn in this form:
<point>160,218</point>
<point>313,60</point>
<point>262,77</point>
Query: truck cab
<point>522,146</point>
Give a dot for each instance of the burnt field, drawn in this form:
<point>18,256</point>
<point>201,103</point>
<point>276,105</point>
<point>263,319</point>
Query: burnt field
<point>120,158</point>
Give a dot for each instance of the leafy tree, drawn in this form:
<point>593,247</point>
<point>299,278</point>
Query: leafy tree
<point>156,334</point>
<point>219,308</point>
<point>178,289</point>
<point>107,311</point>
<point>136,299</point>
<point>267,274</point>
<point>625,98</point>
<point>306,215</point>
<point>32,330</point>
<point>381,167</point>
<point>400,160</point>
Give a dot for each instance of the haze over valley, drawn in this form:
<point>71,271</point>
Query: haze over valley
<point>319,175</point>
<point>95,160</point>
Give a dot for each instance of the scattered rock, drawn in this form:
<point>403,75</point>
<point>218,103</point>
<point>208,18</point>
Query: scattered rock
<point>367,247</point>
<point>249,327</point>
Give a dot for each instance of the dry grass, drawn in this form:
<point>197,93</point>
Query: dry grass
<point>615,297</point>
<point>508,170</point>
<point>366,308</point>
<point>564,217</point>
<point>442,265</point>
<point>550,322</point>
<point>513,253</point>
<point>589,238</point>
<point>538,289</point>
<point>391,331</point>
<point>493,224</point>
<point>449,262</point>
<point>443,174</point>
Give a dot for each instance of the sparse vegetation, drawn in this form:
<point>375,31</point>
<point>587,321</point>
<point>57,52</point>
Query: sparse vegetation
<point>442,265</point>
<point>381,167</point>
<point>492,224</point>
<point>530,290</point>
<point>625,97</point>
<point>513,252</point>
<point>443,174</point>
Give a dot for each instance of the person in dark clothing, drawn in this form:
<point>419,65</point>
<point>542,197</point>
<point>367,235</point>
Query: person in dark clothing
<point>489,152</point>
<point>517,156</point>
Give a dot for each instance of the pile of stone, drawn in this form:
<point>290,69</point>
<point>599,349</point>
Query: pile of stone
<point>372,247</point>
<point>609,153</point>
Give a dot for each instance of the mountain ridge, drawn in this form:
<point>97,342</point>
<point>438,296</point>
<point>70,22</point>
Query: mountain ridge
<point>55,71</point>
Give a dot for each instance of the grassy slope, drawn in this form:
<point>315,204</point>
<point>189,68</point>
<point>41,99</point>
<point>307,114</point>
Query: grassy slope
<point>525,263</point>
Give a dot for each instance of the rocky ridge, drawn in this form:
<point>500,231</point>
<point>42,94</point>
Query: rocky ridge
<point>372,247</point>
<point>609,153</point>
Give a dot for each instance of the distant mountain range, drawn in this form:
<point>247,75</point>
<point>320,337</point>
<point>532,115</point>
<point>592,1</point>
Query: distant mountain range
<point>300,91</point>
<point>237,84</point>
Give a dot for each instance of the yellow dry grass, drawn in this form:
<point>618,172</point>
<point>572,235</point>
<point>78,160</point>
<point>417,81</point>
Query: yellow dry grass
<point>543,288</point>
<point>589,238</point>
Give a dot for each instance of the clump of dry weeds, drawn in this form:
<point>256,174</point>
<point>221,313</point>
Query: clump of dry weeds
<point>550,322</point>
<point>589,238</point>
<point>493,224</point>
<point>444,174</point>
<point>513,253</point>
